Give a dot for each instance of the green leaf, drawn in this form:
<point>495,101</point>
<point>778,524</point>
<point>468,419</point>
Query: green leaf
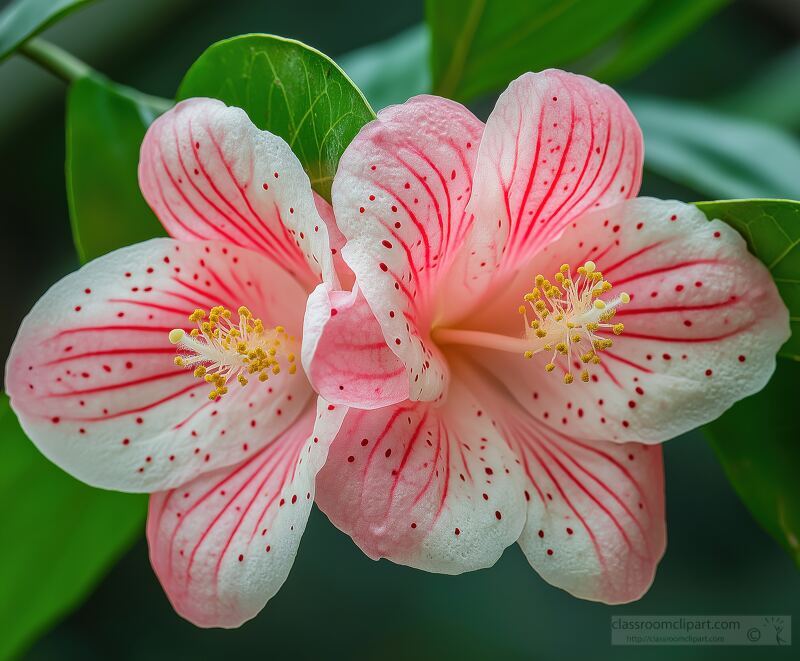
<point>105,127</point>
<point>289,89</point>
<point>24,18</point>
<point>59,536</point>
<point>481,45</point>
<point>715,154</point>
<point>650,34</point>
<point>756,442</point>
<point>772,231</point>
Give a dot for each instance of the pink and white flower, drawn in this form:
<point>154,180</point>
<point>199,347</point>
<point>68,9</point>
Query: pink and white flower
<point>499,401</point>
<point>92,379</point>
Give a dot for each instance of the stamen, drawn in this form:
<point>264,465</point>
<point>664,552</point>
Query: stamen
<point>219,350</point>
<point>566,313</point>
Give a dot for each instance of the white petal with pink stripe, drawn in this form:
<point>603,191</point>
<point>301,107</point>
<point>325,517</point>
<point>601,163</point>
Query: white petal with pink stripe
<point>223,544</point>
<point>555,146</point>
<point>209,173</point>
<point>701,331</point>
<point>91,373</point>
<point>400,198</point>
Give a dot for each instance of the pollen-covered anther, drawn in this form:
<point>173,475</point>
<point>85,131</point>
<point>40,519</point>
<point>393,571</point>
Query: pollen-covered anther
<point>573,314</point>
<point>219,350</point>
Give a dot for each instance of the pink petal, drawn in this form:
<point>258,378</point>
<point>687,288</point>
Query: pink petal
<point>91,373</point>
<point>555,146</point>
<point>209,173</point>
<point>399,196</point>
<point>344,353</point>
<point>223,544</point>
<point>432,487</point>
<point>701,331</point>
<point>595,524</point>
<point>337,241</point>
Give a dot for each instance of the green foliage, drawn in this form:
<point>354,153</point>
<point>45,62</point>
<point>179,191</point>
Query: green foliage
<point>478,46</point>
<point>756,442</point>
<point>772,231</point>
<point>59,536</point>
<point>289,89</point>
<point>715,154</point>
<point>772,95</point>
<point>391,71</point>
<point>105,127</point>
<point>24,18</point>
<point>651,33</point>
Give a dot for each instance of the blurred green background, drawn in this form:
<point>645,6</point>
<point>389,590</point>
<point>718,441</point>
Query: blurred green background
<point>337,603</point>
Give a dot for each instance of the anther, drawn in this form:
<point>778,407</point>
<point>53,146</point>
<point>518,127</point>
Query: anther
<point>570,313</point>
<point>219,350</point>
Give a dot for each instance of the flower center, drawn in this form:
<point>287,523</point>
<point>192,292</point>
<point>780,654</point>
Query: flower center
<point>220,350</point>
<point>561,318</point>
<point>565,317</point>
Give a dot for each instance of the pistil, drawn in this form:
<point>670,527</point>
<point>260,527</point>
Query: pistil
<point>559,318</point>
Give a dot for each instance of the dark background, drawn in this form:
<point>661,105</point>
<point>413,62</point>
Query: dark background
<point>337,603</point>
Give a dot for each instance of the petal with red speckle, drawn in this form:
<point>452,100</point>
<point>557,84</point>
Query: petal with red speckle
<point>223,544</point>
<point>701,331</point>
<point>91,373</point>
<point>209,173</point>
<point>399,196</point>
<point>432,487</point>
<point>556,145</point>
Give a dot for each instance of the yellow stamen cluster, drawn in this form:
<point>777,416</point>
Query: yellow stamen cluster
<point>219,350</point>
<point>568,316</point>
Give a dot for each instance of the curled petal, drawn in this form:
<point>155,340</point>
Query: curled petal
<point>337,241</point>
<point>209,173</point>
<point>223,544</point>
<point>400,195</point>
<point>91,373</point>
<point>345,355</point>
<point>431,487</point>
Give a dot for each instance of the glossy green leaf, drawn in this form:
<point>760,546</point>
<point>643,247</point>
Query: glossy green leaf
<point>772,231</point>
<point>289,89</point>
<point>479,46</point>
<point>24,18</point>
<point>756,442</point>
<point>650,34</point>
<point>716,154</point>
<point>105,127</point>
<point>59,536</point>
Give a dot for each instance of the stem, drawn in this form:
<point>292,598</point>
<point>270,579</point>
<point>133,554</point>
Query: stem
<point>481,339</point>
<point>69,68</point>
<point>55,59</point>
